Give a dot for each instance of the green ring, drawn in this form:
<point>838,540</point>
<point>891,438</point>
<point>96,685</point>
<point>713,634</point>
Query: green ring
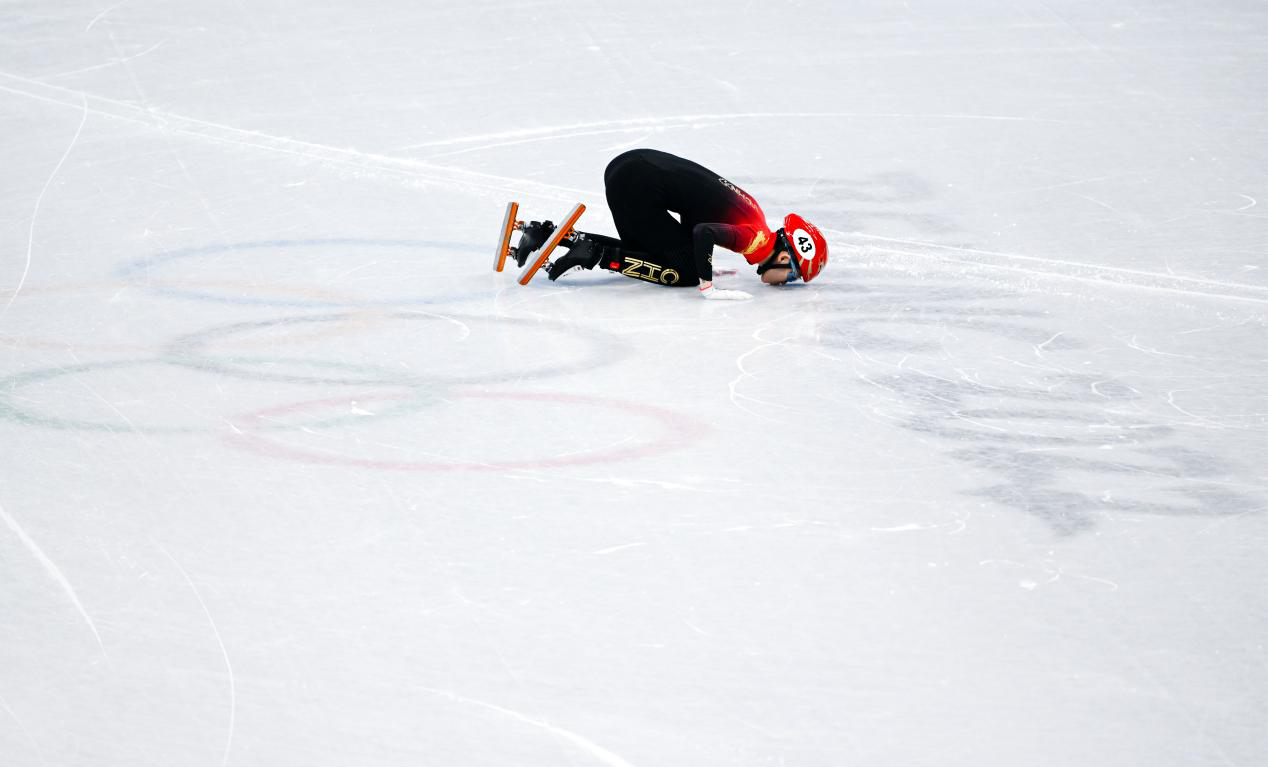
<point>423,397</point>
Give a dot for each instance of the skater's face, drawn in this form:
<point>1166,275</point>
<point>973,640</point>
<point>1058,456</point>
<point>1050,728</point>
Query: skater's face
<point>775,275</point>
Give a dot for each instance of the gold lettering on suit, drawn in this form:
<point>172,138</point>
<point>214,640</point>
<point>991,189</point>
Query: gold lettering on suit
<point>648,272</point>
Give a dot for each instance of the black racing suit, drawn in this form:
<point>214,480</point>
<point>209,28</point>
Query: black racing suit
<point>645,185</point>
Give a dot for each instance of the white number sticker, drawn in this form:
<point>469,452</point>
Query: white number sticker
<point>804,244</point>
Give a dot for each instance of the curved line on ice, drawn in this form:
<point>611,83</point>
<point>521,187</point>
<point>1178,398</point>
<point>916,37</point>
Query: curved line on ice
<point>30,240</point>
<point>31,738</point>
<point>585,744</point>
<point>640,123</point>
<point>233,687</point>
<point>56,574</point>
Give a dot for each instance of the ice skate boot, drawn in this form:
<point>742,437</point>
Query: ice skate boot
<point>532,235</point>
<point>531,261</point>
<point>583,253</point>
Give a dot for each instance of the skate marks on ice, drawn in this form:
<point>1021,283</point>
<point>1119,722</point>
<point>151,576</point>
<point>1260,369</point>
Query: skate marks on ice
<point>26,732</point>
<point>224,652</point>
<point>39,200</point>
<point>1026,405</point>
<point>1036,266</point>
<point>55,573</point>
<point>665,123</point>
<point>346,159</point>
<point>846,208</point>
<point>586,745</point>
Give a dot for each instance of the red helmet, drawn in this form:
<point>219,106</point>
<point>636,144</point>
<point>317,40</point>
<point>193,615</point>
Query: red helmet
<point>806,247</point>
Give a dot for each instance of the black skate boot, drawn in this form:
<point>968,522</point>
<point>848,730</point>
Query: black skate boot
<point>583,253</point>
<point>533,237</point>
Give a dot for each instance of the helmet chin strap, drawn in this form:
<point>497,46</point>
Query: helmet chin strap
<point>772,261</point>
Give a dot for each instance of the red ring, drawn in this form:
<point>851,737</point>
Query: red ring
<point>680,431</point>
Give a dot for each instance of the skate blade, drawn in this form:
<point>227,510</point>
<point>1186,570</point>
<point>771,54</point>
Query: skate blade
<point>508,226</point>
<point>561,232</point>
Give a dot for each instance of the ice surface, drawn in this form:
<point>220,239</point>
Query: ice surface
<point>288,475</point>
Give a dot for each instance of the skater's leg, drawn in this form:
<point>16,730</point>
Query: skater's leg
<point>583,251</point>
<point>639,210</point>
<point>657,268</point>
<point>591,250</point>
<point>653,246</point>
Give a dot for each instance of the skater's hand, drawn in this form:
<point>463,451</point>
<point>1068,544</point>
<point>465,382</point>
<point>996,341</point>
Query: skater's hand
<point>716,294</point>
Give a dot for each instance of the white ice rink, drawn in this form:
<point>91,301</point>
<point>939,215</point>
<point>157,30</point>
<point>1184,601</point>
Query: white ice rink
<point>289,476</point>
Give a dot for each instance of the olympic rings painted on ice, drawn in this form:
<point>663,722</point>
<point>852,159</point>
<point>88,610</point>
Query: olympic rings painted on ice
<point>187,352</point>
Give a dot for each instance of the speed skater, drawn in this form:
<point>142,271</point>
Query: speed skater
<point>645,187</point>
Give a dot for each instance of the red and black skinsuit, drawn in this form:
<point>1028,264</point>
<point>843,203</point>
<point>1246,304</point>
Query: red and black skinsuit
<point>644,186</point>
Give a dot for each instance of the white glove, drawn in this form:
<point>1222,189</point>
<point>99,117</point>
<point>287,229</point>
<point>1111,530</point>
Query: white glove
<point>716,294</point>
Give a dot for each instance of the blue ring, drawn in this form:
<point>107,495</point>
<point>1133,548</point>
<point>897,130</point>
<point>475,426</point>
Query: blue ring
<point>129,270</point>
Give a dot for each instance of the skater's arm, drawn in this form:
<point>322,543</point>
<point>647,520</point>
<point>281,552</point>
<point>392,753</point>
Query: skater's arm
<point>704,238</point>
